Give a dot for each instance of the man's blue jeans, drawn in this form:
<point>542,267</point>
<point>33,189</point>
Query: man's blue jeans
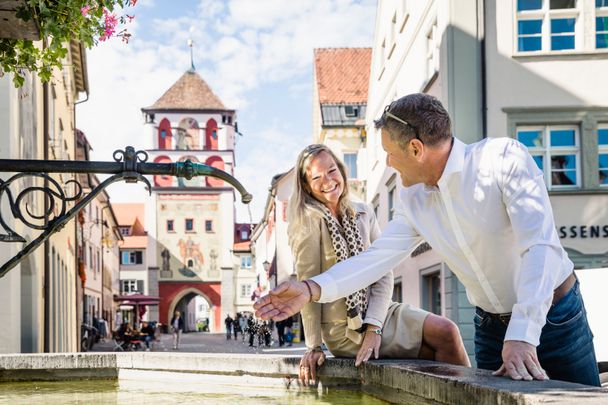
<point>566,343</point>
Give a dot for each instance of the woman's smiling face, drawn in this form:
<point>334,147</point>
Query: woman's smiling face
<point>325,181</point>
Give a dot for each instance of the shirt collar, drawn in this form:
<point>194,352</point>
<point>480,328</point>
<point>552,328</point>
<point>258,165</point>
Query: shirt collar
<point>455,163</point>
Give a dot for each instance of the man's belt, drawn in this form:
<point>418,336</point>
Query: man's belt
<point>558,294</point>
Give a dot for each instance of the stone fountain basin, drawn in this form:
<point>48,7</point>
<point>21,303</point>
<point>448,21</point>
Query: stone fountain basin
<point>397,381</point>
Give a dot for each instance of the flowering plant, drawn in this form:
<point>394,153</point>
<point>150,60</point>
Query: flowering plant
<point>60,21</point>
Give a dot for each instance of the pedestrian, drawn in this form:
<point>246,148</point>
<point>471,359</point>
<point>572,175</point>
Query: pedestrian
<point>484,207</point>
<point>281,332</point>
<point>243,325</point>
<point>177,326</point>
<point>228,322</point>
<point>251,329</point>
<point>236,326</point>
<point>147,331</point>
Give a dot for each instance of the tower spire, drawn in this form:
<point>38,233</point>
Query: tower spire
<point>192,68</point>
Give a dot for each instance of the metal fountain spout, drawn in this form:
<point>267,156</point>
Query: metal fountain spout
<point>65,200</point>
<point>189,170</point>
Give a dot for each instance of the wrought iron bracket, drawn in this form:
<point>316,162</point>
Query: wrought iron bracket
<point>129,166</point>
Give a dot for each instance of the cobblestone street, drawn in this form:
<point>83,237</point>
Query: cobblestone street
<point>203,342</point>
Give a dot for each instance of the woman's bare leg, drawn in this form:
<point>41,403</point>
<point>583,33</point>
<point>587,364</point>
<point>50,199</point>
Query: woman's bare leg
<point>441,341</point>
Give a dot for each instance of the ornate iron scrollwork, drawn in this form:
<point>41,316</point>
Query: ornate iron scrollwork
<point>55,196</point>
<point>129,165</point>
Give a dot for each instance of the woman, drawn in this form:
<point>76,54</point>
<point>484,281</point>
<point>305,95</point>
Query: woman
<point>325,226</point>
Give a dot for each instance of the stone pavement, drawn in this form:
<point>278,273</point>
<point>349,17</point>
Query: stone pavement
<point>204,342</point>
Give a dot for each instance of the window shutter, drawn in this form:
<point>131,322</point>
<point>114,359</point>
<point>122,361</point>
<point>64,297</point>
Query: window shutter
<point>140,286</point>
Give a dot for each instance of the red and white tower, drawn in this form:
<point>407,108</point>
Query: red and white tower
<point>194,219</point>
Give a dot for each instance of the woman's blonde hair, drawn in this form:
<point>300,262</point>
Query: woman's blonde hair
<point>303,207</point>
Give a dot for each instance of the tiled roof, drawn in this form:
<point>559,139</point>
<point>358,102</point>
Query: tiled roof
<point>342,74</point>
<point>241,246</point>
<point>132,242</point>
<point>190,92</point>
<point>126,214</point>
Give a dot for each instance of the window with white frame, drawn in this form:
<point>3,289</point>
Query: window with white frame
<point>602,146</point>
<point>129,286</point>
<point>245,290</point>
<point>548,25</point>
<point>601,24</point>
<point>350,161</point>
<point>556,151</point>
<point>432,51</point>
<point>245,262</point>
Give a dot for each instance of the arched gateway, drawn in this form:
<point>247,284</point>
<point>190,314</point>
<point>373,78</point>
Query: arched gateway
<point>180,296</point>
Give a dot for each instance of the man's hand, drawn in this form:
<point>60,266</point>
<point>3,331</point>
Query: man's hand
<point>308,366</point>
<point>370,345</point>
<point>283,301</point>
<point>520,362</point>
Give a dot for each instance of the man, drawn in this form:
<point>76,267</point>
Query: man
<point>485,209</point>
<point>177,326</point>
<point>228,322</point>
<point>147,331</point>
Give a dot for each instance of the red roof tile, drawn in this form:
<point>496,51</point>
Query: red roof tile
<point>190,92</point>
<point>342,74</point>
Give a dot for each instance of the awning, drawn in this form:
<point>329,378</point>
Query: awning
<point>140,299</point>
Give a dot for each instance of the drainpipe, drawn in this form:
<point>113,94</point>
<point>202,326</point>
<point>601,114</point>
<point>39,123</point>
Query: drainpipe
<point>77,278</point>
<point>45,148</point>
<point>481,35</point>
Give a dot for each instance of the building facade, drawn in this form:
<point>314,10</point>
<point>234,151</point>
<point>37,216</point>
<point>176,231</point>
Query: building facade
<point>194,219</point>
<point>501,68</point>
<point>37,122</point>
<point>341,77</point>
<point>244,280</point>
<point>134,259</point>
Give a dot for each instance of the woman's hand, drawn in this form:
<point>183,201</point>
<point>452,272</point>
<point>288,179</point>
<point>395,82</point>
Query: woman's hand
<point>371,344</point>
<point>308,366</point>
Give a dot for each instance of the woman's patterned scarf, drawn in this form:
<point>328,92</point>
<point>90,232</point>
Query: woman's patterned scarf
<point>347,242</point>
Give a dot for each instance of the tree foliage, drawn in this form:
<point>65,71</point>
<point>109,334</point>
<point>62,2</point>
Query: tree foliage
<point>59,22</point>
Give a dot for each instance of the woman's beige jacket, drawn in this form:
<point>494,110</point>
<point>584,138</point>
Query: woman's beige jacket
<point>313,254</point>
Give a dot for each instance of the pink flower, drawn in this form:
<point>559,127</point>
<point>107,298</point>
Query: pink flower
<point>130,17</point>
<point>133,2</point>
<point>85,10</point>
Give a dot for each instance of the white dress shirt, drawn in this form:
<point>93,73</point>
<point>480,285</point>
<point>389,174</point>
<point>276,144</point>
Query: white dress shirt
<point>491,220</point>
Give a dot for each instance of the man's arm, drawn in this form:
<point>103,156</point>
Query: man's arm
<point>398,240</point>
<point>527,203</point>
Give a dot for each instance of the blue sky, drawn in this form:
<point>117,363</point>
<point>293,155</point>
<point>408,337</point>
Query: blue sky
<point>256,55</point>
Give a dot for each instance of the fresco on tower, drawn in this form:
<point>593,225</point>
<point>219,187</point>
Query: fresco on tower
<point>192,233</point>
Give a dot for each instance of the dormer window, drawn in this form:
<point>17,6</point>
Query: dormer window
<point>351,111</point>
<point>125,231</point>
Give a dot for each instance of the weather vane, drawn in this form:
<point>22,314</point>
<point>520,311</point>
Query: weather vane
<point>190,43</point>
